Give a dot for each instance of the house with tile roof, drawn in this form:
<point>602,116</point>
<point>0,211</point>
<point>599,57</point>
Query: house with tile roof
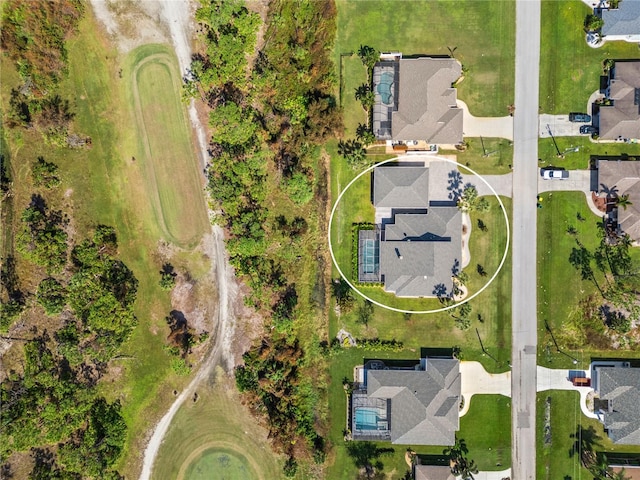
<point>621,119</point>
<point>407,403</point>
<point>415,100</point>
<point>619,390</point>
<point>417,243</point>
<point>623,22</point>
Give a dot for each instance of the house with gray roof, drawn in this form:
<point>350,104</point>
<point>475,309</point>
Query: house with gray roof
<point>619,391</point>
<point>621,119</point>
<point>432,472</point>
<point>416,248</point>
<point>407,403</point>
<point>615,179</point>
<point>415,100</point>
<point>622,23</point>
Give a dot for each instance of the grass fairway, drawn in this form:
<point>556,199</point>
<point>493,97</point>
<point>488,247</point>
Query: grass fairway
<point>481,36</point>
<point>164,150</point>
<point>554,459</point>
<point>571,69</point>
<point>216,438</point>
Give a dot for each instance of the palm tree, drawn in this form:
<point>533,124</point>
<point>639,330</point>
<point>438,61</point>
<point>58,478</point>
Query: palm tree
<point>460,465</point>
<point>623,201</point>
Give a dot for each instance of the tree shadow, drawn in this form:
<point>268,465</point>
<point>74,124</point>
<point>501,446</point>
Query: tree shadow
<point>585,440</point>
<point>366,456</point>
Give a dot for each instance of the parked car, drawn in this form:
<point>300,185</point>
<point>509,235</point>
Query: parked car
<point>579,117</point>
<point>588,129</point>
<point>554,174</point>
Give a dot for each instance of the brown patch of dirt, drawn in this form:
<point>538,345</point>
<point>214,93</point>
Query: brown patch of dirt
<point>249,326</point>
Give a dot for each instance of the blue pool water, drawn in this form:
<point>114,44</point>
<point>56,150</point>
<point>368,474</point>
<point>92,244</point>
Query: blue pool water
<point>366,419</point>
<point>384,87</point>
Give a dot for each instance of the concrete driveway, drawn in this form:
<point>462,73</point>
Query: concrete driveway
<point>496,127</point>
<point>556,379</point>
<point>476,381</point>
<point>560,126</point>
<point>578,181</point>
<point>502,184</point>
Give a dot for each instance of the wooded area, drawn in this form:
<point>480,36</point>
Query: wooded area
<point>76,295</point>
<point>270,111</point>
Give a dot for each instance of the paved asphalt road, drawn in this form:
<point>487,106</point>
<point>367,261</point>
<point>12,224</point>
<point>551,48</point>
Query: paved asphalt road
<point>525,189</point>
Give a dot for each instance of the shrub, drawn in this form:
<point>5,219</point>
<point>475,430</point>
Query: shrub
<point>52,296</point>
<point>299,188</point>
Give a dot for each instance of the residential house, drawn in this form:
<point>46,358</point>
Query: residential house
<point>618,388</point>
<point>406,402</point>
<point>432,472</point>
<point>623,22</point>
<point>621,119</point>
<point>617,178</point>
<point>415,101</point>
<point>416,248</point>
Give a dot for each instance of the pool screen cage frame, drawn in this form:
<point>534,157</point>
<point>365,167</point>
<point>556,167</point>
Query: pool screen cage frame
<point>361,400</point>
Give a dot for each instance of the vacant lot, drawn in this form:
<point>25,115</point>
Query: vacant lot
<point>580,160</point>
<point>481,35</point>
<point>164,153</point>
<point>216,437</point>
<point>571,69</point>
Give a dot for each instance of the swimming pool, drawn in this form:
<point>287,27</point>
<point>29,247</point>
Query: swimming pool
<point>384,87</point>
<point>367,418</point>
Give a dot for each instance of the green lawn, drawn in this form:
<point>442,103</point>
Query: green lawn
<point>555,459</point>
<point>498,159</point>
<point>353,74</point>
<point>486,428</point>
<point>548,154</point>
<point>570,70</point>
<point>481,36</point>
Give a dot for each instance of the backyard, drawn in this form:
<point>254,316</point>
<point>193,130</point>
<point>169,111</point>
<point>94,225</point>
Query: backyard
<point>571,69</point>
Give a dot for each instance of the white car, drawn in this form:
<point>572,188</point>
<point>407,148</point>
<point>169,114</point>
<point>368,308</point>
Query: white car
<point>553,174</point>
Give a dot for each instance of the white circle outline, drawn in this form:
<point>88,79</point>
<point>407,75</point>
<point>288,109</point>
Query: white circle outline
<point>443,309</point>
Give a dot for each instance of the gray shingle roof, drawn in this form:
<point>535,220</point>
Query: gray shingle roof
<point>401,187</point>
<point>621,386</point>
<point>427,107</point>
<point>622,119</point>
<point>432,472</point>
<point>624,20</point>
<point>624,178</point>
<point>420,252</point>
<point>424,403</point>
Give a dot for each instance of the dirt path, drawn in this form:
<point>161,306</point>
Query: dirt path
<point>172,20</point>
